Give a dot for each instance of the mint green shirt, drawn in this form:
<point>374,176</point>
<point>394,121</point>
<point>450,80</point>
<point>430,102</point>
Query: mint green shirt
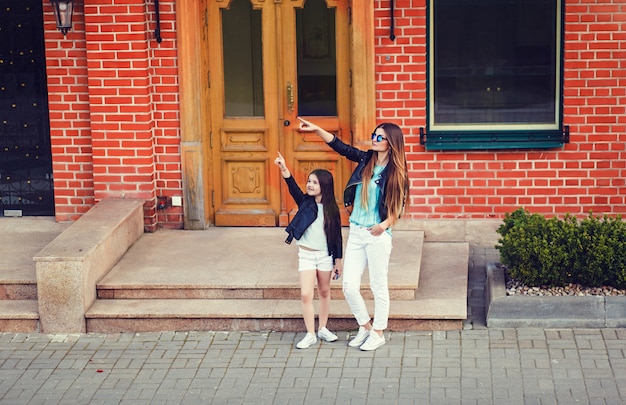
<point>369,217</point>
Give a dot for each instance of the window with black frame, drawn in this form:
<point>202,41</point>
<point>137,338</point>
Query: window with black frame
<point>494,74</point>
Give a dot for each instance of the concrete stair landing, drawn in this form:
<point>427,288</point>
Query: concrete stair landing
<point>228,279</point>
<point>247,279</point>
<point>20,240</point>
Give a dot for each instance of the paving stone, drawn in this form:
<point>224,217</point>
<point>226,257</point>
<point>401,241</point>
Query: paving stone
<point>471,366</point>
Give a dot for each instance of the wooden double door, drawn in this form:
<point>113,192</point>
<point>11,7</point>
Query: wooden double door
<point>270,62</point>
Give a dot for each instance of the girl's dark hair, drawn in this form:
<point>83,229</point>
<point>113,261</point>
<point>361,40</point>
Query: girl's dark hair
<point>332,218</point>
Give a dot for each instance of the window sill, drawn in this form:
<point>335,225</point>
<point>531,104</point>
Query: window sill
<point>448,140</point>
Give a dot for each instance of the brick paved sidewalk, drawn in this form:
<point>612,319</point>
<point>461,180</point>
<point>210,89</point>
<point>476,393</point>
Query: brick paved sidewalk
<point>457,367</point>
<point>472,366</point>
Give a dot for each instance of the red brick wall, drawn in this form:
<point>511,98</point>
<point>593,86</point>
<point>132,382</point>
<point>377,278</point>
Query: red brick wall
<point>126,144</point>
<point>70,130</point>
<point>588,174</point>
<point>113,95</point>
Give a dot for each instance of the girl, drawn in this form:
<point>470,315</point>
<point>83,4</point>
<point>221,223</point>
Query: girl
<point>377,190</point>
<point>317,229</point>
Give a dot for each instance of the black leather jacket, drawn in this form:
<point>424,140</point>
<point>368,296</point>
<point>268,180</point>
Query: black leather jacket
<point>361,157</point>
<point>306,215</point>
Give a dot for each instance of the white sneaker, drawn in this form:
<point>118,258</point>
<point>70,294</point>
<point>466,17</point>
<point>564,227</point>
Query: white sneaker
<point>373,342</point>
<point>360,337</point>
<point>325,334</point>
<point>307,341</point>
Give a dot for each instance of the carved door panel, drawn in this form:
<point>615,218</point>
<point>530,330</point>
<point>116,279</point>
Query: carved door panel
<point>270,62</point>
<point>316,68</point>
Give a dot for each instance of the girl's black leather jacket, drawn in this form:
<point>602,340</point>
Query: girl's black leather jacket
<point>361,157</point>
<point>306,215</point>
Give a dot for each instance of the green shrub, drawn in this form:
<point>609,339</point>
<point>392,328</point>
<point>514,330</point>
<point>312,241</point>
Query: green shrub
<point>553,252</point>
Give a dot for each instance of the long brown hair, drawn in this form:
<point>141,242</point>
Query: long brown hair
<point>332,218</point>
<point>397,187</point>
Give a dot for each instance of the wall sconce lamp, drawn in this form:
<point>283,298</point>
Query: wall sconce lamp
<point>63,10</point>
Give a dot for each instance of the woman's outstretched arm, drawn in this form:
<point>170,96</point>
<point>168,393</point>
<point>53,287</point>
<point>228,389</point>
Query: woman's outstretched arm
<point>307,126</point>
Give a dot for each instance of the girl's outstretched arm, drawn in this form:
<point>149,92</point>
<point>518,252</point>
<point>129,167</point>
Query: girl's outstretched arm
<point>294,190</point>
<point>280,162</point>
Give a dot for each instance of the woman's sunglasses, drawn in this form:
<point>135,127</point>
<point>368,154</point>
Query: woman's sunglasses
<point>378,138</point>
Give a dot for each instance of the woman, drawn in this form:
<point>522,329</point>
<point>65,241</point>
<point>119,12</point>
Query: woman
<point>317,229</point>
<point>377,191</point>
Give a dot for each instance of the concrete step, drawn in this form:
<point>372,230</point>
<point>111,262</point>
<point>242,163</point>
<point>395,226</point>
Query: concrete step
<point>19,316</point>
<point>440,303</point>
<point>108,316</point>
<point>21,240</point>
<point>199,292</point>
<point>241,268</point>
<point>18,290</point>
<point>164,278</point>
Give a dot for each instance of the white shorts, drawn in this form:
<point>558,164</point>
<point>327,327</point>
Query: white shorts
<point>314,260</point>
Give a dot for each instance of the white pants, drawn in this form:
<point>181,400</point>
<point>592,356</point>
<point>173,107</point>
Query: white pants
<point>365,250</point>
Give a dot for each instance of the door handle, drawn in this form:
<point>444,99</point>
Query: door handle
<point>290,99</point>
